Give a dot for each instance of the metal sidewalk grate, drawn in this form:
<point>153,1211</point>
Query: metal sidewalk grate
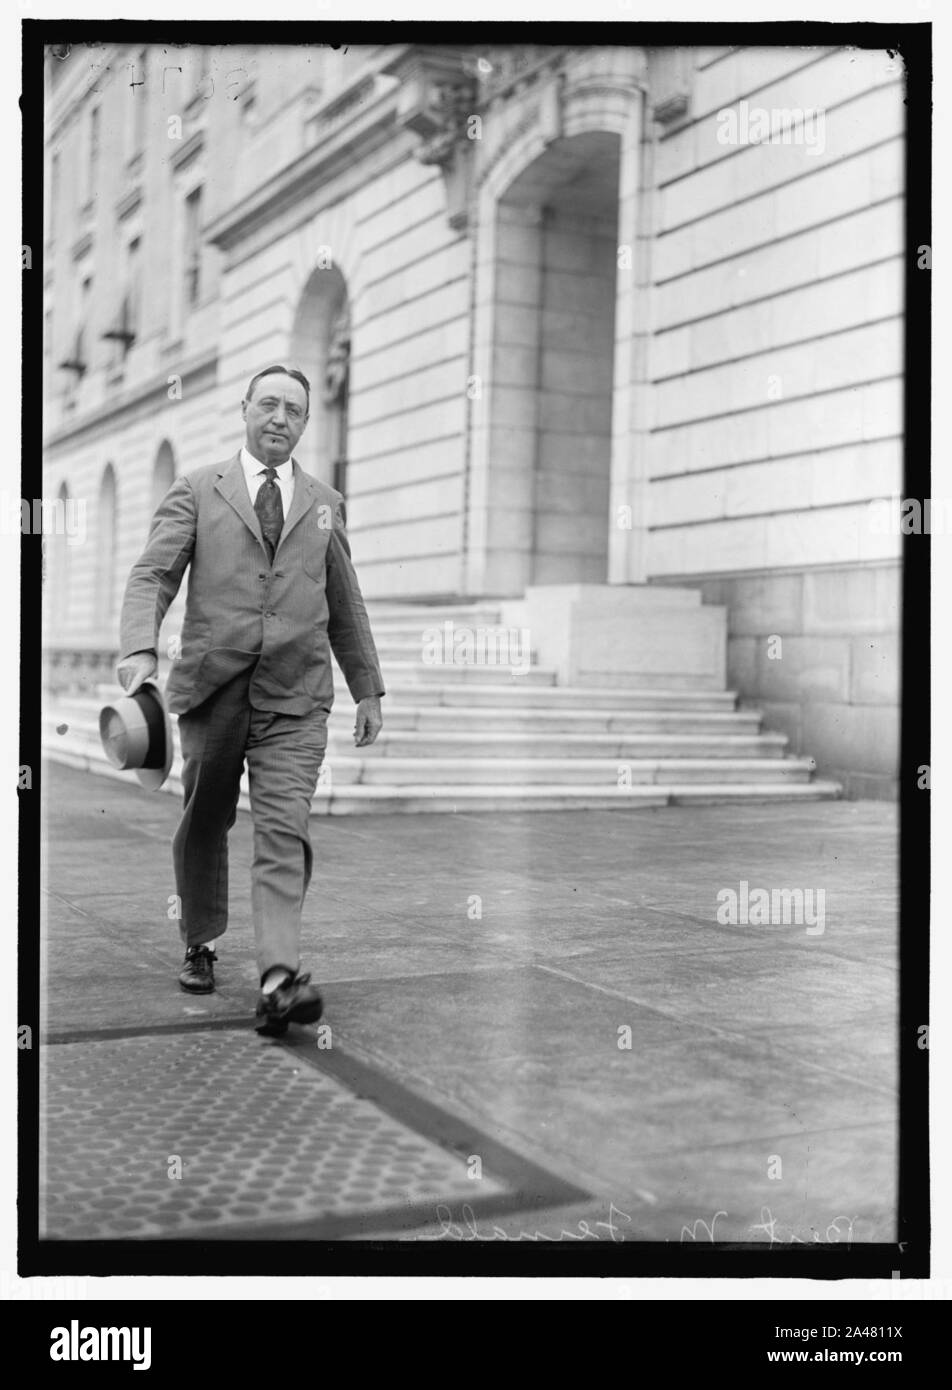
<point>121,1118</point>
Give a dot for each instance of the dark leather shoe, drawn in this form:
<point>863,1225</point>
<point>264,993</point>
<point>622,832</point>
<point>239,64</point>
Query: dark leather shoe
<point>198,975</point>
<point>296,1001</point>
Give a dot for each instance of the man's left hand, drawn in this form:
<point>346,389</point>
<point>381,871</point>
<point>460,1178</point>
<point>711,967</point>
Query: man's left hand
<point>369,721</point>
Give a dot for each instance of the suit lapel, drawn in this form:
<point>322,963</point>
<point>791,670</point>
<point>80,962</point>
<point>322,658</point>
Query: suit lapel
<point>305,494</point>
<point>232,486</point>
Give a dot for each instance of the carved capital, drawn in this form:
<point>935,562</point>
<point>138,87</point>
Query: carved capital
<point>670,73</point>
<point>436,99</point>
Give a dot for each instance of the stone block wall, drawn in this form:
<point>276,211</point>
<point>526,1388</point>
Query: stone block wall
<point>819,651</point>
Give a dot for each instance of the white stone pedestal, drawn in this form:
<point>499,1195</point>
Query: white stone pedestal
<point>620,635</point>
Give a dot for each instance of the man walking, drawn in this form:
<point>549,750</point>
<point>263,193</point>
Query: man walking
<point>271,592</point>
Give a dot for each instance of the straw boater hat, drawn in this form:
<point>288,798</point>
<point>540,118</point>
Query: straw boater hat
<point>136,734</point>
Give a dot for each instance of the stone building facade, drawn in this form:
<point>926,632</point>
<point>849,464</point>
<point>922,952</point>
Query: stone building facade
<point>577,335</point>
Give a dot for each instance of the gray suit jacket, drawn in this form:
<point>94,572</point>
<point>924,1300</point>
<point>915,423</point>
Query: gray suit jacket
<point>240,611</point>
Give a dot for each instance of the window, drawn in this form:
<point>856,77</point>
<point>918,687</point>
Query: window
<point>54,195</point>
<point>75,363</point>
<point>92,167</point>
<point>193,248</point>
<point>106,550</point>
<point>124,325</point>
<point>133,295</point>
<point>163,473</point>
<point>59,567</point>
<point>83,332</point>
<point>140,100</point>
<point>203,70</point>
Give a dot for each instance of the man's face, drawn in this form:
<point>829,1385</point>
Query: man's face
<point>274,417</point>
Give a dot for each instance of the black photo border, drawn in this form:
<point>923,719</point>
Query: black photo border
<point>909,1257</point>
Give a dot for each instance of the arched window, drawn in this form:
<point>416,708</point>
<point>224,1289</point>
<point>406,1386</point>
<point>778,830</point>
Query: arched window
<point>557,221</point>
<point>163,474</point>
<point>320,346</point>
<point>58,577</point>
<point>106,549</point>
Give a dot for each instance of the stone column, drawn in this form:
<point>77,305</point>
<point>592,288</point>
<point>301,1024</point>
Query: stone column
<point>630,420</point>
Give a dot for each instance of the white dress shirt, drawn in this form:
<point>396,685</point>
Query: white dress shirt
<point>254,477</point>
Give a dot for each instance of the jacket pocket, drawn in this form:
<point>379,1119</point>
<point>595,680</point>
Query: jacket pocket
<point>195,640</point>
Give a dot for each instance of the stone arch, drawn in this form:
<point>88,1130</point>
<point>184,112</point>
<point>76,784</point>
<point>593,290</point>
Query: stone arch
<point>550,398</point>
<point>603,97</point>
<point>330,233</point>
<point>165,469</point>
<point>60,577</point>
<point>588,105</point>
<point>327,275</point>
<point>106,536</point>
<point>163,473</point>
<point>320,346</point>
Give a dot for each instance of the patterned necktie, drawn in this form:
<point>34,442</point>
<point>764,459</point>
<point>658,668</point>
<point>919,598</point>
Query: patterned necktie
<point>270,511</point>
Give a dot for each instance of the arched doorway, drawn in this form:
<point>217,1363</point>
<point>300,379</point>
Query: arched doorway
<point>106,550</point>
<point>163,474</point>
<point>550,397</point>
<point>320,347</point>
<point>58,612</point>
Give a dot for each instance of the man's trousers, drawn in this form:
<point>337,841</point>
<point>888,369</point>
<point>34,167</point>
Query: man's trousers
<point>284,754</point>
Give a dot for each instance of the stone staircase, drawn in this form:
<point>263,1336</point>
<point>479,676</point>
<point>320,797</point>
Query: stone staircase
<point>485,737</point>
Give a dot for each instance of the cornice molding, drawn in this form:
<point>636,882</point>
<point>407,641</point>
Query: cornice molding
<point>128,203</point>
<point>316,166</point>
<point>81,245</point>
<point>135,397</point>
<point>77,87</point>
<point>671,80</point>
<point>437,98</point>
<point>188,151</point>
<point>537,62</point>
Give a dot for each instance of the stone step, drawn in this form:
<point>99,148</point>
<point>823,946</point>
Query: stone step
<point>438,718</point>
<point>412,629</point>
<point>400,672</point>
<point>513,696</point>
<point>490,720</point>
<point>395,670</point>
<point>344,766</point>
<point>463,744</point>
<point>355,799</point>
<point>537,745</point>
<point>501,728</point>
<point>418,694</point>
<point>411,617</point>
<point>505,654</point>
<point>604,772</point>
<point>406,674</point>
<point>491,611</point>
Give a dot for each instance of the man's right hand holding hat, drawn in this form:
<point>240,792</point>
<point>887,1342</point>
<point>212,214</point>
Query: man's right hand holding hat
<point>137,668</point>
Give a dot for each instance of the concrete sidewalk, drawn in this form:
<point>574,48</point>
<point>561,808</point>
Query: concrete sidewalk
<point>532,1020</point>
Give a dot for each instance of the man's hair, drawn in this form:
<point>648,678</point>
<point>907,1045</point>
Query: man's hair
<point>283,371</point>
